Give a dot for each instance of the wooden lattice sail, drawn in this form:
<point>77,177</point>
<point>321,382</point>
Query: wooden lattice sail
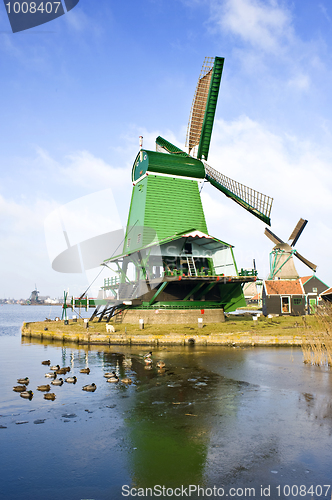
<point>255,202</point>
<point>203,107</point>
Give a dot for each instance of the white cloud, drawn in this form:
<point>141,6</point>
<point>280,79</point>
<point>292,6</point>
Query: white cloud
<point>86,170</point>
<point>247,151</point>
<point>22,218</point>
<point>264,25</point>
<point>81,23</point>
<point>24,253</point>
<point>81,169</point>
<point>300,82</point>
<point>325,13</point>
<point>295,173</point>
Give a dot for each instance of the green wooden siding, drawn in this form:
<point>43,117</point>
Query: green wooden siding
<point>167,205</point>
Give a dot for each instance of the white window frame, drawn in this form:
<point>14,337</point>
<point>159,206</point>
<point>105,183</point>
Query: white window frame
<point>289,304</point>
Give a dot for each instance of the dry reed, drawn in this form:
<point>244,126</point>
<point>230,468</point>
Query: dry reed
<point>318,347</point>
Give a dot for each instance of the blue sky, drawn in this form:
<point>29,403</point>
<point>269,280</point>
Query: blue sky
<point>78,91</point>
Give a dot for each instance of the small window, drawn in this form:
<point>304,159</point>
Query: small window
<point>314,290</point>
<point>128,242</point>
<point>139,238</point>
<point>297,301</point>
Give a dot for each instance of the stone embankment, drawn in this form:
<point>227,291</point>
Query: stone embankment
<point>243,333</point>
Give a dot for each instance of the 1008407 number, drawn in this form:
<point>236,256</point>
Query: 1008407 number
<point>32,7</point>
<point>302,491</point>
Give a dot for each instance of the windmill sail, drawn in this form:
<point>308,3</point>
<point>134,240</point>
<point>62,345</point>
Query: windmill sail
<point>297,231</point>
<point>164,146</point>
<point>204,107</point>
<point>273,237</point>
<point>305,261</point>
<point>255,202</point>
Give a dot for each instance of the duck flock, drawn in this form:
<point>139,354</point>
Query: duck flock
<point>56,370</point>
<point>53,374</point>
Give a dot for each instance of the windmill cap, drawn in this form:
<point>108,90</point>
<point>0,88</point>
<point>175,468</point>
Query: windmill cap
<point>162,163</point>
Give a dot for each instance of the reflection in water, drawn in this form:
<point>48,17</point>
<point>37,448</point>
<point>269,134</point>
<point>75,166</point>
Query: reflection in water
<point>211,416</point>
<point>167,429</point>
<point>318,408</point>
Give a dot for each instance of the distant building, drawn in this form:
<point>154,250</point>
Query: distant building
<point>327,295</point>
<point>253,293</point>
<point>292,297</point>
<point>313,288</point>
<point>283,297</point>
<point>50,301</point>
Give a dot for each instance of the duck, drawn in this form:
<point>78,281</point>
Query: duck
<point>148,361</point>
<point>85,370</point>
<point>113,379</point>
<point>71,380</point>
<point>27,394</point>
<point>58,381</point>
<point>19,388</point>
<point>50,396</point>
<point>43,388</point>
<point>55,367</point>
<point>109,374</point>
<point>61,371</point>
<point>147,355</point>
<point>24,381</point>
<point>126,380</point>
<point>47,362</point>
<point>160,364</point>
<point>89,387</point>
<point>51,375</point>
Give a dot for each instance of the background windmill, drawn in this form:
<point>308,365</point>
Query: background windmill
<point>281,258</point>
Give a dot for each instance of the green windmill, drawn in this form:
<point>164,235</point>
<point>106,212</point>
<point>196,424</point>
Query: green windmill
<point>169,262</point>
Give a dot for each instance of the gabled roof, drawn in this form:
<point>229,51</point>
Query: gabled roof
<point>284,287</point>
<point>200,238</point>
<point>304,279</point>
<point>327,292</point>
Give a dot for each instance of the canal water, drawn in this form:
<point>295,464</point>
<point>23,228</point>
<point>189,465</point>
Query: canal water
<point>217,422</point>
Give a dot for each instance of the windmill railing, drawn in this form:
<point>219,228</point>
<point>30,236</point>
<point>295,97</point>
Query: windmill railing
<point>255,202</point>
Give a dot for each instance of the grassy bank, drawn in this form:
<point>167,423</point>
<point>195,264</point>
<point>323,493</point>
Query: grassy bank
<point>236,329</point>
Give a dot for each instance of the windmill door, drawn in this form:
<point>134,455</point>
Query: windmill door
<point>312,305</point>
<point>285,305</point>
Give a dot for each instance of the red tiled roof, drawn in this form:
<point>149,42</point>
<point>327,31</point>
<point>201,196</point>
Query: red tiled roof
<point>305,279</point>
<point>283,287</point>
<point>327,292</point>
